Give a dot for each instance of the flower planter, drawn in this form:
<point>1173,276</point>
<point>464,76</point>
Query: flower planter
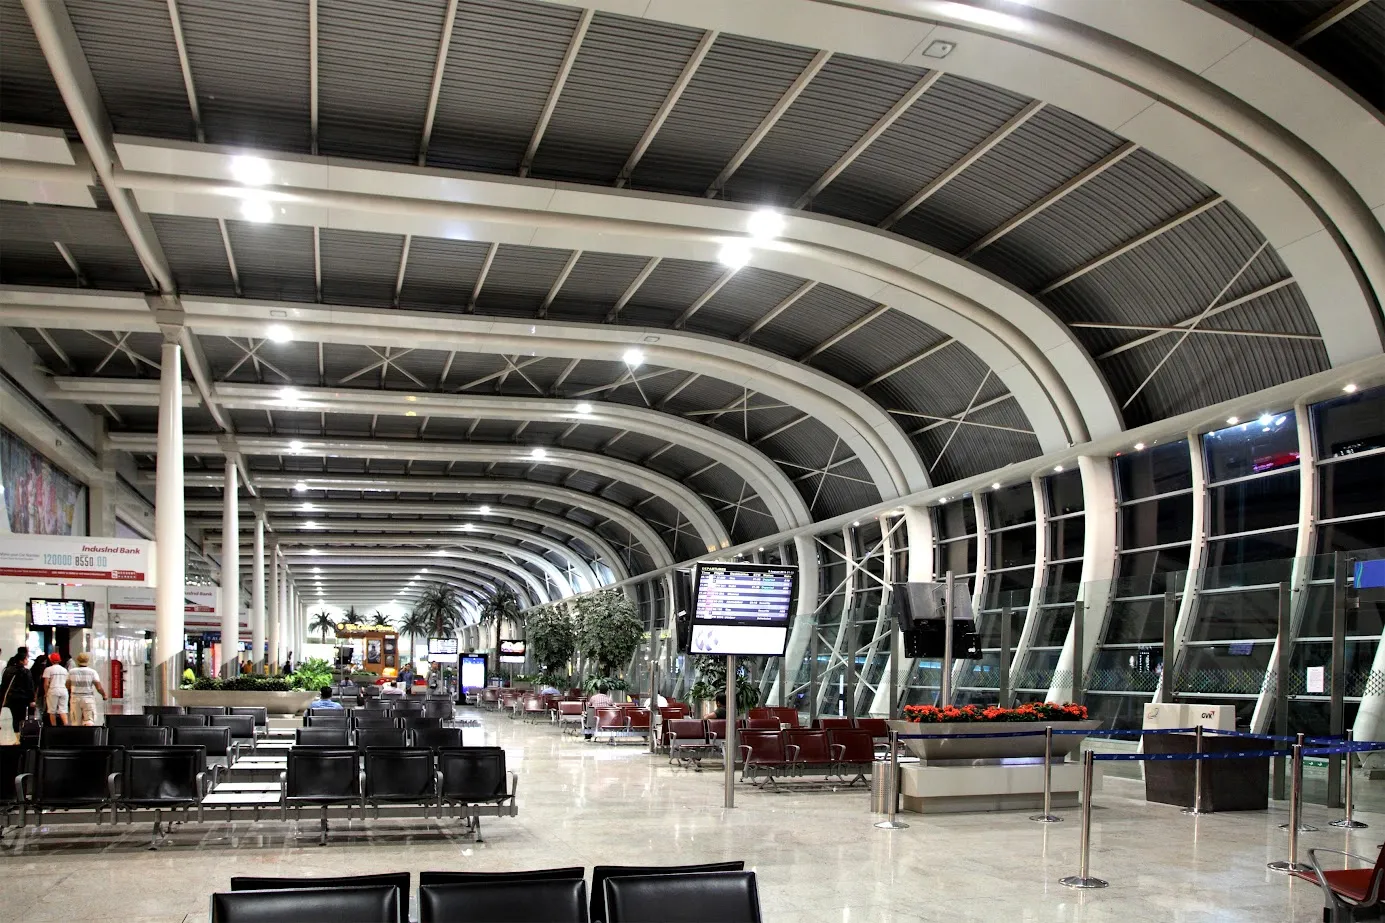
<point>990,748</point>
<point>277,703</point>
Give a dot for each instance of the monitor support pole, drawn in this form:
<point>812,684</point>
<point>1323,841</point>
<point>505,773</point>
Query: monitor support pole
<point>729,748</point>
<point>945,692</point>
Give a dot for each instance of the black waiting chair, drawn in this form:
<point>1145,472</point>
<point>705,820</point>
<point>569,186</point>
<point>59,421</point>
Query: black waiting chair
<point>137,736</point>
<point>571,873</point>
<point>211,711</point>
<point>372,721</point>
<point>62,735</point>
<point>381,737</point>
<point>531,901</point>
<point>398,775</point>
<point>334,719</point>
<point>602,872</point>
<point>320,777</point>
<point>335,736</point>
<point>130,721</point>
<point>727,897</point>
<point>398,880</point>
<point>258,712</point>
<point>416,722</point>
<point>171,720</point>
<point>222,752</point>
<point>13,762</point>
<point>438,708</point>
<point>436,738</point>
<point>242,728</point>
<point>360,905</point>
<point>472,776</point>
<point>164,710</point>
<point>163,778</point>
<point>77,777</point>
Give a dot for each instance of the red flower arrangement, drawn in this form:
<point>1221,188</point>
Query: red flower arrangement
<point>1030,711</point>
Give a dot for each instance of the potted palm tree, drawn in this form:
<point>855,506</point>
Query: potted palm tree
<point>500,607</point>
<point>440,609</point>
<point>321,623</point>
<point>413,626</point>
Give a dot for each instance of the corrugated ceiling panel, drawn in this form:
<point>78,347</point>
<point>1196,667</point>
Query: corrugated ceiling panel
<point>1051,147</point>
<point>441,273</point>
<point>359,267</point>
<point>594,285</point>
<point>815,317</point>
<point>622,74</point>
<point>702,394</point>
<point>129,45</point>
<point>749,295</point>
<point>500,67</point>
<point>112,265</point>
<point>298,360</point>
<point>28,94</point>
<point>47,223</point>
<point>196,254</point>
<point>275,260</point>
<point>375,70</point>
<point>953,117</point>
<point>519,279</point>
<point>737,84</point>
<point>943,384</point>
<point>32,262</point>
<point>250,63</point>
<point>974,449</point>
<point>669,290</point>
<point>841,103</point>
<point>884,343</point>
<point>1123,202</point>
<point>636,447</point>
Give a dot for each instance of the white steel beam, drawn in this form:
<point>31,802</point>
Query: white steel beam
<point>403,267</point>
<point>632,288</point>
<point>856,325</point>
<point>671,100</point>
<point>573,47</point>
<point>780,308</point>
<point>558,283</point>
<point>1188,324</point>
<point>1326,20</point>
<point>705,297</point>
<point>481,278</point>
<point>185,65</point>
<point>71,262</point>
<point>313,83</point>
<point>430,111</point>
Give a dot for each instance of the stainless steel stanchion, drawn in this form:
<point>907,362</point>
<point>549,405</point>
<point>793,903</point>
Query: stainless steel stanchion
<point>1047,817</point>
<point>1346,794</point>
<point>1197,778</point>
<point>889,823</point>
<point>1296,792</point>
<point>1296,783</point>
<point>1083,878</point>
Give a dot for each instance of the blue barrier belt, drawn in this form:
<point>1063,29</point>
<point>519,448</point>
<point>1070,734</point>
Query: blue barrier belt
<point>1146,757</point>
<point>1115,733</point>
<point>1292,738</point>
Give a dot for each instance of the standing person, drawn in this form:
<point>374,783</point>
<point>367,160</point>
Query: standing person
<point>55,689</point>
<point>41,663</point>
<point>288,664</point>
<point>83,683</point>
<point>406,679</point>
<point>17,694</point>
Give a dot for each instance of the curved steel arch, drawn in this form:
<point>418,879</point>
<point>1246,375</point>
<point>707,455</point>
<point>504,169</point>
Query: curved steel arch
<point>519,586</point>
<point>709,528</point>
<point>538,591</point>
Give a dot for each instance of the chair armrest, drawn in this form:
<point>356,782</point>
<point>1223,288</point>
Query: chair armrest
<point>1318,871</point>
<point>283,788</point>
<point>113,786</point>
<point>201,785</point>
<point>22,783</point>
<point>514,784</point>
<point>792,751</point>
<point>745,753</point>
<point>838,751</point>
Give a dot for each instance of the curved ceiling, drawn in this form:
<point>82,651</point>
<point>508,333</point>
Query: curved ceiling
<point>965,276</point>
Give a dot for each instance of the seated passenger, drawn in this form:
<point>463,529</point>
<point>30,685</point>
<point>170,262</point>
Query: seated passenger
<point>326,700</point>
<point>392,688</point>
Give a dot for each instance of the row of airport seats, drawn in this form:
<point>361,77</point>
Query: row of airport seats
<point>158,713</point>
<point>82,780</point>
<point>222,743</point>
<point>430,737</point>
<point>441,707</point>
<point>804,752</point>
<point>722,891</point>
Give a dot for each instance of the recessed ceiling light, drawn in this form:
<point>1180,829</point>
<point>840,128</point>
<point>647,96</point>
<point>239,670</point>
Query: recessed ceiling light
<point>307,507</point>
<point>411,413</point>
<point>301,486</point>
<point>411,397</point>
<point>1233,420</point>
<point>634,358</point>
<point>1139,447</point>
<point>538,453</point>
<point>1350,389</point>
<point>288,395</point>
<point>314,551</point>
<point>256,209</point>
<point>765,224</point>
<point>485,510</point>
<point>734,253</point>
<point>856,522</point>
<point>250,171</point>
<point>1057,467</point>
<point>317,570</point>
<point>278,333</point>
<point>995,486</point>
<point>468,527</point>
<point>939,49</point>
<point>310,524</point>
<point>584,408</point>
<point>296,445</point>
<point>1265,419</point>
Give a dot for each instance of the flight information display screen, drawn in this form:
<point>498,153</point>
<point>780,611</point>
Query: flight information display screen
<point>742,609</point>
<point>55,613</point>
<point>442,645</point>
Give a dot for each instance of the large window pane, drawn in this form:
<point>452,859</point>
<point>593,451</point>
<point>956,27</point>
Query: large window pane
<point>1064,492</point>
<point>1066,537</point>
<point>1062,581</point>
<point>1368,618</point>
<point>1146,573</point>
<point>1052,630</point>
<point>1234,616</point>
<point>1350,424</point>
<point>1357,535</point>
<point>1119,712</point>
<point>1013,547</point>
<point>1011,506</point>
<point>1261,503</point>
<point>1250,560</point>
<point>1038,669</point>
<point>957,556</point>
<point>1359,655</point>
<point>1158,470</point>
<point>1157,522</point>
<point>1352,488</point>
<point>1137,621</point>
<point>1010,587</point>
<point>1265,444</point>
<point>1130,668</point>
<point>1237,669</point>
<point>956,518</point>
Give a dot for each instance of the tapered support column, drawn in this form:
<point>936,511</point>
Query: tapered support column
<point>285,616</point>
<point>257,637</point>
<point>230,571</point>
<point>170,560</point>
<point>273,631</point>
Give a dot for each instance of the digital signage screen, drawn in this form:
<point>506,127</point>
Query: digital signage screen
<point>512,651</point>
<point>473,671</point>
<point>60,613</point>
<point>443,650</point>
<point>742,609</point>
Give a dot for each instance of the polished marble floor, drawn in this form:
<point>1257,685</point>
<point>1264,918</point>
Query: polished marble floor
<point>816,854</point>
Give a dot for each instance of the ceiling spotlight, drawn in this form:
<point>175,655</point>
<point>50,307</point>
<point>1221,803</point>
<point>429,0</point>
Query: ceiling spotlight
<point>995,486</point>
<point>313,551</point>
<point>1139,447</point>
<point>307,507</point>
<point>256,209</point>
<point>734,253</point>
<point>1057,467</point>
<point>485,510</point>
<point>468,527</point>
<point>250,171</point>
<point>939,49</point>
<point>289,395</point>
<point>301,486</point>
<point>296,445</point>
<point>1350,389</point>
<point>310,524</point>
<point>765,224</point>
<point>855,523</point>
<point>278,333</point>
<point>634,358</point>
<point>584,408</point>
<point>1233,420</point>
<point>539,453</point>
<point>1265,419</point>
<point>317,570</point>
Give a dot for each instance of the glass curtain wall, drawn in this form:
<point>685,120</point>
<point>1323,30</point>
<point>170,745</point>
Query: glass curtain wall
<point>1012,545</point>
<point>955,548</point>
<point>1065,532</point>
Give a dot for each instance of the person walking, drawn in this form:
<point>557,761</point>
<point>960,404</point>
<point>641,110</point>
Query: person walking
<point>17,695</point>
<point>55,689</point>
<point>84,683</point>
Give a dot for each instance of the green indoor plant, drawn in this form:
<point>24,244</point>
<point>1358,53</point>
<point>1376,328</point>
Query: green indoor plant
<point>608,632</point>
<point>552,636</point>
<point>711,682</point>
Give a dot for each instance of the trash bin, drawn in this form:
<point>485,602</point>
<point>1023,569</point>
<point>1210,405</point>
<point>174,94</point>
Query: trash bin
<point>880,789</point>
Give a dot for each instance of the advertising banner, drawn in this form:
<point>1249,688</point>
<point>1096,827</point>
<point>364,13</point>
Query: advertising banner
<point>62,559</point>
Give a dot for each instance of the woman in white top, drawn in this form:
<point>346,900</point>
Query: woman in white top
<point>83,683</point>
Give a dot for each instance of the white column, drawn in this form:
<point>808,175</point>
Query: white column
<point>230,570</point>
<point>170,560</point>
<point>273,632</point>
<point>257,636</point>
<point>801,630</point>
<point>286,647</point>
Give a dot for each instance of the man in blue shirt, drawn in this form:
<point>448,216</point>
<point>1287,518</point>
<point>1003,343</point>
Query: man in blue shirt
<point>326,701</point>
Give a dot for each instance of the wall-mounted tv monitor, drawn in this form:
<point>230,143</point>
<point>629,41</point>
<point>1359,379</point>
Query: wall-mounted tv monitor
<point>512,651</point>
<point>473,671</point>
<point>742,609</point>
<point>442,646</point>
<point>61,613</point>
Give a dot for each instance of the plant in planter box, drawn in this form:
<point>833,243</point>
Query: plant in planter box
<point>552,638</point>
<point>1030,711</point>
<point>608,630</point>
<point>711,682</point>
<point>500,607</point>
<point>312,674</point>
